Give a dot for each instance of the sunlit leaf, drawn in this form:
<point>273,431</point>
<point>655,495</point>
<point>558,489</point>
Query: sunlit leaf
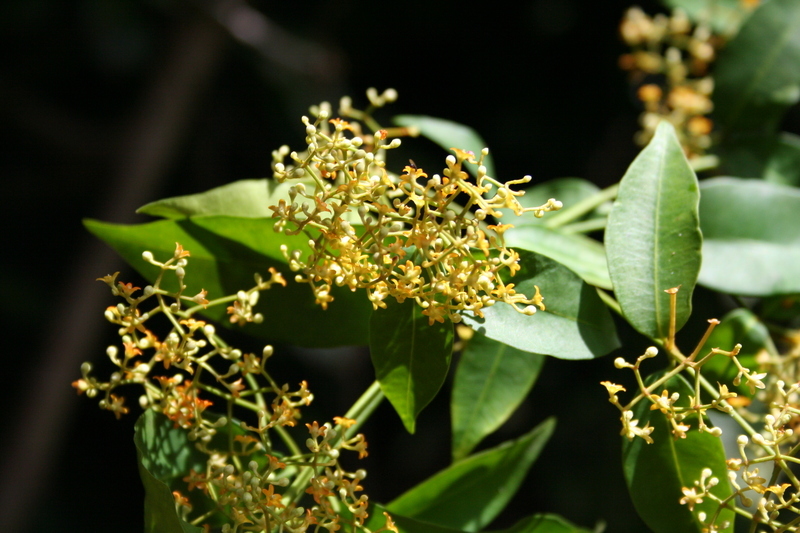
<point>449,134</point>
<point>653,237</point>
<point>245,198</point>
<point>225,254</point>
<point>491,381</point>
<point>751,232</point>
<point>581,254</point>
<point>657,472</point>
<point>411,357</point>
<point>470,493</point>
<point>575,325</point>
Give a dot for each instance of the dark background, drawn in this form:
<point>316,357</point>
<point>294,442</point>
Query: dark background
<point>108,104</point>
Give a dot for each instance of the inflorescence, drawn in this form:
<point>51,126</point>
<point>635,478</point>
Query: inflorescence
<point>768,415</point>
<point>403,236</point>
<point>669,63</point>
<point>252,483</point>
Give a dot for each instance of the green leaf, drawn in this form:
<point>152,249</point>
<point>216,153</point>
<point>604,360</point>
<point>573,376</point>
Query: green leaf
<point>575,325</point>
<point>245,198</point>
<point>470,493</point>
<point>491,381</point>
<point>724,16</point>
<point>449,134</point>
<point>652,239</point>
<point>740,326</point>
<point>226,252</point>
<point>774,158</point>
<point>411,357</point>
<point>751,234</point>
<point>783,164</point>
<point>544,523</point>
<point>165,455</point>
<point>581,254</point>
<point>656,472</point>
<point>757,76</point>
<point>539,523</point>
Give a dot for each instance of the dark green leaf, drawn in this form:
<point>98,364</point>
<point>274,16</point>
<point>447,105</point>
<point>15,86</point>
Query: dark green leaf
<point>491,381</point>
<point>740,326</point>
<point>245,198</point>
<point>757,76</point>
<point>575,325</point>
<point>540,523</point>
<point>165,456</point>
<point>656,472</point>
<point>411,357</point>
<point>448,134</point>
<point>751,232</point>
<point>226,252</point>
<point>724,16</point>
<point>581,254</point>
<point>544,523</point>
<point>470,493</point>
<point>652,239</point>
<point>783,164</point>
<point>775,158</point>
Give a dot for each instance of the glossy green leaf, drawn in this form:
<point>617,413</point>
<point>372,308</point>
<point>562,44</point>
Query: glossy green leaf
<point>226,252</point>
<point>724,16</point>
<point>655,473</point>
<point>757,76</point>
<point>539,523</point>
<point>581,254</point>
<point>652,238</point>
<point>245,198</point>
<point>751,232</point>
<point>740,326</point>
<point>411,357</point>
<point>165,456</point>
<point>575,325</point>
<point>491,381</point>
<point>449,134</point>
<point>470,493</point>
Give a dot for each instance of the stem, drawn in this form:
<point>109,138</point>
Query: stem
<point>360,412</point>
<point>364,406</point>
<point>569,214</point>
<point>586,226</point>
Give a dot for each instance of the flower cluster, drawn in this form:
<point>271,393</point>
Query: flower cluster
<point>407,236</point>
<point>252,483</point>
<point>769,416</point>
<point>669,63</point>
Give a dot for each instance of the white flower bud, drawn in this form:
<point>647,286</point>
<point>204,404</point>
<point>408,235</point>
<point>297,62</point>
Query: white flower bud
<point>147,256</point>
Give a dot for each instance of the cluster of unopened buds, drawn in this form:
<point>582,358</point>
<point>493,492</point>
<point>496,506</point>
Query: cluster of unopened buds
<point>249,486</point>
<point>406,236</point>
<point>669,64</point>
